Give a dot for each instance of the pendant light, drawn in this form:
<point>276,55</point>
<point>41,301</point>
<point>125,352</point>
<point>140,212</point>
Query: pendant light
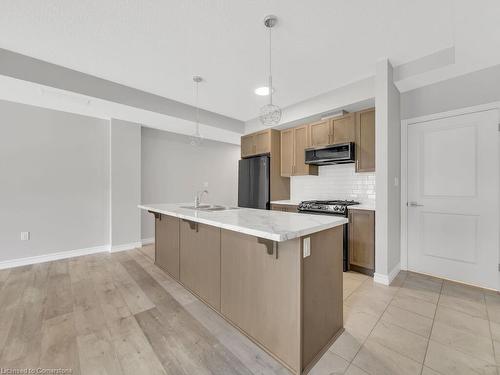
<point>196,138</point>
<point>270,114</point>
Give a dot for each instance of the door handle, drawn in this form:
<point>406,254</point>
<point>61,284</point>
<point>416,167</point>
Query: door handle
<point>414,204</point>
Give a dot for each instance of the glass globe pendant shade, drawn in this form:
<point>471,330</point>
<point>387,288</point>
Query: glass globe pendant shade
<point>270,115</point>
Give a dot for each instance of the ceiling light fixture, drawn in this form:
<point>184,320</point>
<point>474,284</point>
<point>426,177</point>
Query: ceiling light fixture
<point>270,114</point>
<point>196,138</point>
<point>262,91</point>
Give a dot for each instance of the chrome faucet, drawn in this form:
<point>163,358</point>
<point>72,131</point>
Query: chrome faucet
<point>197,198</point>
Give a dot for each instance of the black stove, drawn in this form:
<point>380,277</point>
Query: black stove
<point>331,207</point>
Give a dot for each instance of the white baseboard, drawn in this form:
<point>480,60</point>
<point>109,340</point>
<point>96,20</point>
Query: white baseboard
<point>387,279</point>
<point>53,256</point>
<point>125,246</point>
<point>147,241</point>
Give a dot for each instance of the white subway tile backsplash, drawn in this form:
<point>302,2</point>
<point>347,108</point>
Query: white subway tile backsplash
<point>334,182</point>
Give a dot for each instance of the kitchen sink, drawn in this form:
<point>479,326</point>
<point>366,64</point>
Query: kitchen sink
<point>210,207</point>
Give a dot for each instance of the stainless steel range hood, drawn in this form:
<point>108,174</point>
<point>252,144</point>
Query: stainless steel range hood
<point>341,153</point>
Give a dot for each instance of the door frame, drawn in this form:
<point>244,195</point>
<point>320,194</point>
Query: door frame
<point>404,162</point>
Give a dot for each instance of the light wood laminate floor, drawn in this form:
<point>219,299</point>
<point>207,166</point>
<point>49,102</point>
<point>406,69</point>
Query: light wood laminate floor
<point>120,314</point>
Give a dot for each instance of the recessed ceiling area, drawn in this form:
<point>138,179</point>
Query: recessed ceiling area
<point>317,45</point>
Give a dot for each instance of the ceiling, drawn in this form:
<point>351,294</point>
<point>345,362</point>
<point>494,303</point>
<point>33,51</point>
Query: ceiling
<point>157,46</point>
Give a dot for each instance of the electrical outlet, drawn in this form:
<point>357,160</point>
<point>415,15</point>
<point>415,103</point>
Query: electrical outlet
<point>205,184</point>
<point>25,236</point>
<point>306,247</point>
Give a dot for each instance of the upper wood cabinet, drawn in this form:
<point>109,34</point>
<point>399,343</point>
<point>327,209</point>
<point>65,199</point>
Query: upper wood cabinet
<point>362,241</point>
<point>247,145</point>
<point>320,133</point>
<point>287,148</point>
<point>301,142</point>
<point>342,129</point>
<point>365,141</point>
<point>256,143</point>
<point>293,144</point>
<point>263,142</point>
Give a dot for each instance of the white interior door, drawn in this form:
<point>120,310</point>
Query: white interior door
<point>453,198</point>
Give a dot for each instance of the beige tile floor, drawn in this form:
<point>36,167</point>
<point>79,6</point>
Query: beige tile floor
<point>418,325</point>
<point>113,314</point>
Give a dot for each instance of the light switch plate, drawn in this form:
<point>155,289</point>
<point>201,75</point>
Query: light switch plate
<point>25,236</point>
<point>306,247</point>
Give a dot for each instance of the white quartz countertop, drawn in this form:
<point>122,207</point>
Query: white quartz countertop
<point>272,225</point>
<point>287,202</point>
<point>362,206</point>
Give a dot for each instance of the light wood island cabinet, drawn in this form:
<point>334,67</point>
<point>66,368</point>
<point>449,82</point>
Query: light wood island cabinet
<point>200,260</point>
<point>167,244</point>
<point>285,299</point>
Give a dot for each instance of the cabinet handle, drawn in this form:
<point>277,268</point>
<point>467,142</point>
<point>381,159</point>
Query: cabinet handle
<point>357,164</point>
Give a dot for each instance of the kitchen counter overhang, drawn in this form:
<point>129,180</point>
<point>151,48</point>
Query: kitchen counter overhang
<point>271,225</point>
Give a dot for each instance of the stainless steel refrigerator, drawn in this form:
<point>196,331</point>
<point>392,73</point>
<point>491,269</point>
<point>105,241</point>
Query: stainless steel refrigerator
<point>253,182</point>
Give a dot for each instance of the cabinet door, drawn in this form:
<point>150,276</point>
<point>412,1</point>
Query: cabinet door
<point>247,145</point>
<point>287,146</point>
<point>167,244</point>
<point>301,142</point>
<point>365,141</point>
<point>343,129</point>
<point>319,133</point>
<point>260,293</point>
<point>200,260</point>
<point>362,239</point>
<point>263,142</point>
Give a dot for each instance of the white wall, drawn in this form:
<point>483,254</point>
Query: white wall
<point>125,182</point>
<point>388,167</point>
<point>173,170</point>
<point>334,182</point>
<point>353,97</point>
<point>475,88</point>
<point>54,181</point>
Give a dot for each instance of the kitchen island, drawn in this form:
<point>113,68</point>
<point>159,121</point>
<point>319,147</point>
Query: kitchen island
<point>275,276</point>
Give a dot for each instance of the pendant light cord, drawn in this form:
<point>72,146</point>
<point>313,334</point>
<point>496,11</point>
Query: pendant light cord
<point>197,111</point>
<point>270,88</point>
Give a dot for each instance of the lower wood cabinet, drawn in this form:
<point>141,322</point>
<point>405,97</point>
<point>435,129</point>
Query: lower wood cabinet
<point>362,241</point>
<point>284,207</point>
<point>261,294</point>
<point>200,260</point>
<point>167,244</point>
